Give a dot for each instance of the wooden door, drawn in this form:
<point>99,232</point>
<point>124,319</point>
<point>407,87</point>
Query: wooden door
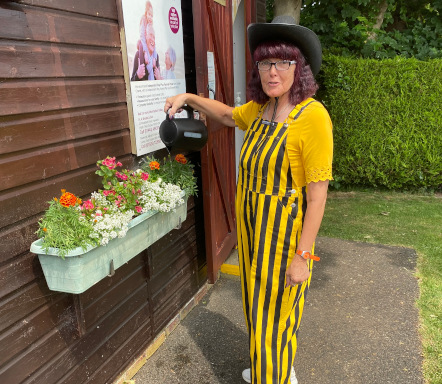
<point>213,33</point>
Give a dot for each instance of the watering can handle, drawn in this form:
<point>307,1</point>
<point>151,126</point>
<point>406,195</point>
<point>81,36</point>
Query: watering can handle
<point>187,108</point>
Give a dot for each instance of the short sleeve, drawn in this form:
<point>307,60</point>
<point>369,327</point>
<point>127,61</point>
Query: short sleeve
<point>245,114</point>
<point>310,145</point>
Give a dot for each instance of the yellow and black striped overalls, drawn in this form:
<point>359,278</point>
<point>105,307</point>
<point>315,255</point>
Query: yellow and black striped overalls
<point>270,211</point>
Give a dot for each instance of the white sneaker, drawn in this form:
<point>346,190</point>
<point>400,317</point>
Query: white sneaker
<point>293,379</point>
<point>247,376</point>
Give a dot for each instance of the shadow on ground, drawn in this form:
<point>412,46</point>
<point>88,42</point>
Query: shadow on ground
<point>360,325</point>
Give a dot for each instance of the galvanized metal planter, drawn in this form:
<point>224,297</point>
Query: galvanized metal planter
<point>81,269</point>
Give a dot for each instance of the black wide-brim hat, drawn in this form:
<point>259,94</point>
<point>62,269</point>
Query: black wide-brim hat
<point>284,28</point>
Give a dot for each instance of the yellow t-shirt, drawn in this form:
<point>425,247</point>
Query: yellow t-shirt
<point>309,140</point>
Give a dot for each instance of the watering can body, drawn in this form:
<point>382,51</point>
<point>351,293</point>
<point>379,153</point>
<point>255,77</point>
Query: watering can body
<point>183,133</point>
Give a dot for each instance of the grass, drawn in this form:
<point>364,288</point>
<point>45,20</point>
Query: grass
<point>404,220</point>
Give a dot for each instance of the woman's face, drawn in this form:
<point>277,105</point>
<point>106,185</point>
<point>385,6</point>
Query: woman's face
<point>149,15</point>
<point>276,83</point>
<point>150,40</point>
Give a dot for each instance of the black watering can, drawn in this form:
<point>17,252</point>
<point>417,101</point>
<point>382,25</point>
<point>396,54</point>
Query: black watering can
<point>183,133</point>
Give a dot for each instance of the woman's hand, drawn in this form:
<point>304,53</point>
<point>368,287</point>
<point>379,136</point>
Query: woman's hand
<point>174,103</point>
<point>297,272</point>
<point>211,108</point>
<point>157,74</point>
<point>141,71</point>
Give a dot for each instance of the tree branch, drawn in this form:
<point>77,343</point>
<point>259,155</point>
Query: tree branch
<point>288,7</point>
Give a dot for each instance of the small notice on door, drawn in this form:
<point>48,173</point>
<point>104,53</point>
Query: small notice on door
<point>211,86</point>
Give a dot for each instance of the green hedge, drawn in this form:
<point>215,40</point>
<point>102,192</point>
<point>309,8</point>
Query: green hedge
<point>387,118</point>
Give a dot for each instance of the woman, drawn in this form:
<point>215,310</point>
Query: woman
<point>169,60</point>
<point>284,170</point>
<point>146,63</point>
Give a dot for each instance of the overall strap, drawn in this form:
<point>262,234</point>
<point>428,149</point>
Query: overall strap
<point>302,109</point>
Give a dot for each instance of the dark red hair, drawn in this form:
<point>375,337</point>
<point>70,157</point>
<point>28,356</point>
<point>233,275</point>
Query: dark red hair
<point>304,84</point>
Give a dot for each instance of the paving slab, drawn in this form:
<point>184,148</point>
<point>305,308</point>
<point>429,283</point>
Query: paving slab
<point>360,325</point>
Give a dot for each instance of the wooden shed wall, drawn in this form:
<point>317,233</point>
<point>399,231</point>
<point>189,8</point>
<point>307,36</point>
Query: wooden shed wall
<point>62,108</point>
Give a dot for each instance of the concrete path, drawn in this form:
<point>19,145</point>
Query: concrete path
<point>360,325</point>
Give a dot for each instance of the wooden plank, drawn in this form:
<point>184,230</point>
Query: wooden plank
<point>131,350</point>
<point>49,347</point>
<point>64,365</point>
<point>21,22</point>
<point>167,309</point>
<point>32,199</point>
<point>179,264</point>
<point>42,164</point>
<point>173,285</point>
<point>16,240</point>
<point>35,326</point>
<point>18,273</point>
<point>105,286</point>
<point>112,298</point>
<point>28,96</point>
<point>169,256</point>
<point>31,60</point>
<point>164,251</point>
<point>106,9</point>
<point>47,128</point>
<point>109,346</point>
<point>24,301</point>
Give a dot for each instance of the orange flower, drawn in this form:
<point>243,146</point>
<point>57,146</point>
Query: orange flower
<point>181,159</point>
<point>154,165</point>
<point>68,199</point>
<point>45,229</point>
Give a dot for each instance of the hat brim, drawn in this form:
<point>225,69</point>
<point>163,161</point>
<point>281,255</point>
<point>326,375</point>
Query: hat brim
<point>305,39</point>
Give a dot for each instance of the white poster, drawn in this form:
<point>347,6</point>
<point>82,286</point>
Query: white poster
<point>155,53</point>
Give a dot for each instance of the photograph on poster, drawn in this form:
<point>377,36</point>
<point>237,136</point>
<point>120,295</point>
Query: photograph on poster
<point>155,54</point>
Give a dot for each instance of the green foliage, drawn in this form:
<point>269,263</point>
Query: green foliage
<point>387,121</point>
<point>407,220</point>
<point>61,228</point>
<point>347,27</point>
<point>177,171</point>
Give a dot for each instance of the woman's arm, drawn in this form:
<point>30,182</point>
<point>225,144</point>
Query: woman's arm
<point>212,108</point>
<point>298,271</point>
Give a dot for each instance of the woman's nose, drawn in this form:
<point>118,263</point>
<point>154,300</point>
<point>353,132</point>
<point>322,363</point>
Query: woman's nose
<point>273,69</point>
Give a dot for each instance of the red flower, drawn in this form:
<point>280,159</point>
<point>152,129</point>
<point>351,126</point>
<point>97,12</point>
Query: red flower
<point>154,165</point>
<point>68,199</point>
<point>181,159</point>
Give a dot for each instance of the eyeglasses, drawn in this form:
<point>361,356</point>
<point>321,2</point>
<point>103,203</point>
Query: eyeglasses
<point>283,65</point>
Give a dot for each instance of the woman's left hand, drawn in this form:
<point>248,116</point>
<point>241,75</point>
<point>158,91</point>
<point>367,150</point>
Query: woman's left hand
<point>297,272</point>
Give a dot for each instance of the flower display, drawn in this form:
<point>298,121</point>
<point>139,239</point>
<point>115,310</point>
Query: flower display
<point>69,222</point>
<point>178,171</point>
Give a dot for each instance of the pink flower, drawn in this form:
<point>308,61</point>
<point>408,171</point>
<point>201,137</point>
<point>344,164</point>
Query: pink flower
<point>144,176</point>
<point>87,205</point>
<point>109,162</point>
<point>121,176</point>
<point>138,209</point>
